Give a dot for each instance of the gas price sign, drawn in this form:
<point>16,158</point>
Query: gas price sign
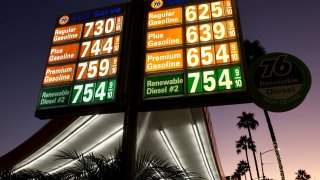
<point>84,61</point>
<point>193,48</point>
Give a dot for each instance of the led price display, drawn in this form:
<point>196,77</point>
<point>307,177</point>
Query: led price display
<point>192,48</point>
<point>84,59</point>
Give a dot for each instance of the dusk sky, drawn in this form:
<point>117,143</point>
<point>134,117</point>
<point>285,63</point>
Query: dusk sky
<point>281,26</point>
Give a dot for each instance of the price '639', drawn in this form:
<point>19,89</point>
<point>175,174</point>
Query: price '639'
<point>211,31</point>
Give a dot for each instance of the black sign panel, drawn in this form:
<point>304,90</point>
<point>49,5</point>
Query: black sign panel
<point>193,54</point>
<point>85,64</point>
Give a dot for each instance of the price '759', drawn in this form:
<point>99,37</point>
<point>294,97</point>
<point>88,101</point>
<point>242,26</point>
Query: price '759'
<point>97,68</point>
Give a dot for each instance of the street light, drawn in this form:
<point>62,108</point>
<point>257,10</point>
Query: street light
<point>262,162</point>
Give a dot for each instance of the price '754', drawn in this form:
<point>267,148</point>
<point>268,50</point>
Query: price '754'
<point>215,80</point>
<point>93,92</point>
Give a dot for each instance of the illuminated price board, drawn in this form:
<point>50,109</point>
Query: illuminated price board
<point>84,63</point>
<point>193,49</point>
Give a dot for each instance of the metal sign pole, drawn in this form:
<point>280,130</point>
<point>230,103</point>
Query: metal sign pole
<point>275,144</point>
<point>134,59</point>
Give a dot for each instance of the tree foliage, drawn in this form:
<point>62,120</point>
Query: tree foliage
<point>92,167</point>
<point>302,175</point>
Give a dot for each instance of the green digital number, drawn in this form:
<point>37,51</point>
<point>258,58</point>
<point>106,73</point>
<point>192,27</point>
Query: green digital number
<point>225,81</point>
<point>88,92</point>
<point>237,78</point>
<point>77,94</point>
<point>194,82</point>
<point>209,81</point>
<point>111,89</point>
<point>101,91</point>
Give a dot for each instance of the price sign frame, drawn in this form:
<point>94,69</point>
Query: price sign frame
<point>86,67</point>
<point>206,34</point>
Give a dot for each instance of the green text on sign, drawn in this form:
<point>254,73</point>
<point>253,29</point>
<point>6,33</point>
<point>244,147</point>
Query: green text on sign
<point>54,97</point>
<point>93,92</point>
<point>214,80</point>
<point>164,85</point>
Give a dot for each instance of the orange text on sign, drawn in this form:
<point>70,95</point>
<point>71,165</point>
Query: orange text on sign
<point>59,74</point>
<point>164,38</point>
<point>63,53</point>
<point>67,33</point>
<point>165,17</point>
<point>165,60</point>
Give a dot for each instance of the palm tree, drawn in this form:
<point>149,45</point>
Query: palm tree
<point>243,144</point>
<point>253,51</point>
<point>148,167</point>
<point>235,176</point>
<point>247,121</point>
<point>10,174</point>
<point>302,175</point>
<point>243,168</point>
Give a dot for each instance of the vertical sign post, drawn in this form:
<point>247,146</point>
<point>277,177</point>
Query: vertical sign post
<point>193,50</point>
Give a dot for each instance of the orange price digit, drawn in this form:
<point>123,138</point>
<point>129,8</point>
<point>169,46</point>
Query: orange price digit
<point>222,53</point>
<point>219,30</point>
<point>191,13</point>
<point>84,52</point>
<point>114,68</point>
<point>217,9</point>
<point>204,11</point>
<point>107,45</point>
<point>228,6</point>
<point>231,29</point>
<point>192,34</point>
<point>82,71</point>
<point>207,55</point>
<point>110,25</point>
<point>119,21</point>
<point>116,44</point>
<point>104,67</point>
<point>234,52</point>
<point>93,69</point>
<point>96,47</point>
<point>88,29</point>
<point>205,32</point>
<point>193,57</point>
<point>98,28</point>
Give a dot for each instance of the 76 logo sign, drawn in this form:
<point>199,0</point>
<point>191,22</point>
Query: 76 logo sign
<point>279,67</point>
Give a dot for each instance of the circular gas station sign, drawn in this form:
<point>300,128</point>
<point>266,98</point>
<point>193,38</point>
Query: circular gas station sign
<point>279,82</point>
